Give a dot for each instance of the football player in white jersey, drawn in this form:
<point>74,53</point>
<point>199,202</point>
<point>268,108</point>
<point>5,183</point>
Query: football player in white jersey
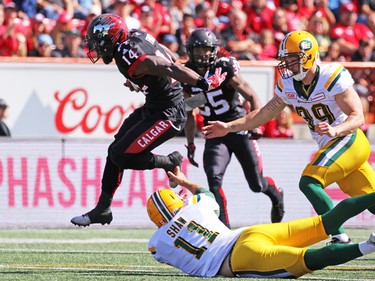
<point>323,95</point>
<point>193,239</point>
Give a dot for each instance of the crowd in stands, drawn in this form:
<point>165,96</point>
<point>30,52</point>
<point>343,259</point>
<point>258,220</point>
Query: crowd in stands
<point>248,29</point>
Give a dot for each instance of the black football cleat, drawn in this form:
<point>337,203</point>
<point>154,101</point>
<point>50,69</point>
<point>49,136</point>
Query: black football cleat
<point>278,211</point>
<point>176,160</point>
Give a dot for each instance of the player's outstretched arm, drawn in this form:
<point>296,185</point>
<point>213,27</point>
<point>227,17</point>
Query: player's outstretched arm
<point>252,120</point>
<point>215,129</point>
<point>159,66</point>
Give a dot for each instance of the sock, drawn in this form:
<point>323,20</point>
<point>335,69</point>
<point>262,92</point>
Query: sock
<point>112,177</point>
<point>105,201</point>
<point>342,237</point>
<point>345,210</point>
<point>333,254</point>
<point>272,191</point>
<point>318,198</point>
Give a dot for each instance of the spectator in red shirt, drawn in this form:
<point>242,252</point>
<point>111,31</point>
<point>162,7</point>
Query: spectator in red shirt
<point>348,32</point>
<point>279,25</point>
<point>281,126</point>
<point>146,21</point>
<point>10,35</point>
<point>295,20</point>
<point>267,42</point>
<point>310,7</point>
<point>162,22</point>
<point>259,15</point>
<point>237,37</point>
<point>323,7</point>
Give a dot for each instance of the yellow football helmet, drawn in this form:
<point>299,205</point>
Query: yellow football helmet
<point>163,205</point>
<point>297,48</point>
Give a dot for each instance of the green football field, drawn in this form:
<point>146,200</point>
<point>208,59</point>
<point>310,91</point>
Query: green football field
<point>105,253</point>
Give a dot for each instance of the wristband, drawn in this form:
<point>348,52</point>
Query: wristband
<point>203,84</point>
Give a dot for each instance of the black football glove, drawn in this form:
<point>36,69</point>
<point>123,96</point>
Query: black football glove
<point>255,134</point>
<point>190,154</point>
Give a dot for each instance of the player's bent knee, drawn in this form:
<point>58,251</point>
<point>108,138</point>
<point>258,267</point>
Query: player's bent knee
<point>215,181</point>
<point>120,159</point>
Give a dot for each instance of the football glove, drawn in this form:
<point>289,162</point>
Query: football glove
<point>191,153</point>
<point>214,81</point>
<point>255,134</point>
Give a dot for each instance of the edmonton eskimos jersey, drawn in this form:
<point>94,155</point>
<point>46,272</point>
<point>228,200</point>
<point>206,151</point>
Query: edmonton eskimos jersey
<point>195,240</point>
<point>317,103</point>
<point>160,92</point>
<point>223,103</point>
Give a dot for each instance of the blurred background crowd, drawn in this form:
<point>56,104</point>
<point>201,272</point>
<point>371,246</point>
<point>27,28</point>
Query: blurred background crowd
<point>248,29</point>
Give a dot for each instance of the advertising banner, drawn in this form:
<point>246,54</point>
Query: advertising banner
<point>45,183</point>
<point>81,100</point>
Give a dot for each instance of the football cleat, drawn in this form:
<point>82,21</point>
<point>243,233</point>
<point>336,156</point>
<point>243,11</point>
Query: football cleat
<point>336,240</point>
<point>278,211</point>
<point>176,160</point>
<point>94,216</point>
<point>371,239</point>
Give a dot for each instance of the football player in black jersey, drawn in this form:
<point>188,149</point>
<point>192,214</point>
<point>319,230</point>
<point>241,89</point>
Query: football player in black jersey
<point>150,68</point>
<point>223,103</point>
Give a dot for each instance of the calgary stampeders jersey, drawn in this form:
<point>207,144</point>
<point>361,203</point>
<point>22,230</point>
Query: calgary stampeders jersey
<point>160,92</point>
<point>195,240</point>
<point>317,103</point>
<point>223,103</point>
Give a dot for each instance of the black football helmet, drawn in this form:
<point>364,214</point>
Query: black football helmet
<point>202,38</point>
<point>103,33</point>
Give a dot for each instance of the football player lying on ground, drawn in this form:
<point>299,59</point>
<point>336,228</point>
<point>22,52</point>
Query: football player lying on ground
<point>192,238</point>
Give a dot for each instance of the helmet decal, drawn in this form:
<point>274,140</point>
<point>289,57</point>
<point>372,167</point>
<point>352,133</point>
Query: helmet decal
<point>305,45</point>
<point>103,29</point>
<point>104,32</point>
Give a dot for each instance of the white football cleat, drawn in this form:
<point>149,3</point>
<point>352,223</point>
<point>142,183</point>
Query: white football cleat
<point>82,220</point>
